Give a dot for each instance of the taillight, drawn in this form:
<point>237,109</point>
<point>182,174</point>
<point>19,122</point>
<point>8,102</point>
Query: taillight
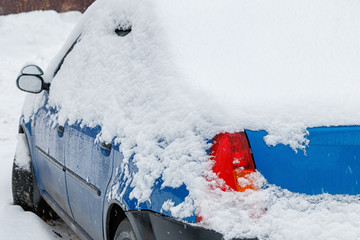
<point>233,160</point>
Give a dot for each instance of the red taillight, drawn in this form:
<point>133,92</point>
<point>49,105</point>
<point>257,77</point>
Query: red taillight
<point>233,160</point>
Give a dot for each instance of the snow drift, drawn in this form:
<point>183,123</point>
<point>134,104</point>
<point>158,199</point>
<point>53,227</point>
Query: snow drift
<point>34,37</point>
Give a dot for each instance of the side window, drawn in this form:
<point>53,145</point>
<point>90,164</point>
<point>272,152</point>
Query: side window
<point>67,53</point>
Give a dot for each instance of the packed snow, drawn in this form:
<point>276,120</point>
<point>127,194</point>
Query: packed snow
<point>22,153</point>
<point>33,37</point>
<point>190,70</point>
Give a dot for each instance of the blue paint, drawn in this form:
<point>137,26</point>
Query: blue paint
<point>60,133</point>
<point>84,157</point>
<point>331,163</point>
<point>105,152</point>
<point>158,196</point>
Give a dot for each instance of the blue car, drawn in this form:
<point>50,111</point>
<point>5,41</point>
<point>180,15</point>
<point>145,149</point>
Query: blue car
<point>112,166</point>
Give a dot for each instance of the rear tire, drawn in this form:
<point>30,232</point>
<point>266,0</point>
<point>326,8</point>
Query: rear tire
<point>125,231</point>
<point>24,185</point>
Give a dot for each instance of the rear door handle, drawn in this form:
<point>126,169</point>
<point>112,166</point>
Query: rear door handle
<point>105,148</point>
<point>60,131</point>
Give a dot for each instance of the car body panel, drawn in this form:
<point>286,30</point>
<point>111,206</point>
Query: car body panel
<point>150,225</point>
<point>50,161</point>
<point>329,164</point>
<point>120,189</point>
<point>88,172</point>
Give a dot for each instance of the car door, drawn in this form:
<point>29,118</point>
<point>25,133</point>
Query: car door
<point>49,144</point>
<point>50,162</point>
<point>88,169</point>
<point>88,166</point>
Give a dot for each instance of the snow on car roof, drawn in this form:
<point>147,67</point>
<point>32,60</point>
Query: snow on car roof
<point>191,69</point>
<point>280,66</point>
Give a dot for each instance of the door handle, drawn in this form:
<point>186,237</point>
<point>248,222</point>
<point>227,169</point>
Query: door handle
<point>105,148</point>
<point>60,131</point>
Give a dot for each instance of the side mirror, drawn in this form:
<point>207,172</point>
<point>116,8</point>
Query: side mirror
<point>31,81</point>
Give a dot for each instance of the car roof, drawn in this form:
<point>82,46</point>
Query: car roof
<point>253,64</point>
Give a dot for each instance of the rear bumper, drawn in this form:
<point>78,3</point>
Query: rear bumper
<point>154,226</point>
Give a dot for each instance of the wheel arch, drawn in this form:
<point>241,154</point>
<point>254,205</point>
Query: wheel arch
<point>23,130</point>
<point>26,128</point>
<point>115,214</point>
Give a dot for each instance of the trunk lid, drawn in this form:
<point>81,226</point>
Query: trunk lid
<point>331,163</point>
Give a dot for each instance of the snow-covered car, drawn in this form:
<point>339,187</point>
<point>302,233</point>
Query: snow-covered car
<point>192,120</point>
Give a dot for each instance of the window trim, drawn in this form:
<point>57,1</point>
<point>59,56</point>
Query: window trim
<point>67,53</point>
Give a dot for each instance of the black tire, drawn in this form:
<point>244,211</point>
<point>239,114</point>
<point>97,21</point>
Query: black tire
<point>26,192</point>
<point>125,231</point>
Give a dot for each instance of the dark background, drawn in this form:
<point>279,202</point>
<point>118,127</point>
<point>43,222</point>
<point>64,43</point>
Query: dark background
<point>17,6</point>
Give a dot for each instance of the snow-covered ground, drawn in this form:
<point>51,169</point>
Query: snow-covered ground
<point>28,37</point>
